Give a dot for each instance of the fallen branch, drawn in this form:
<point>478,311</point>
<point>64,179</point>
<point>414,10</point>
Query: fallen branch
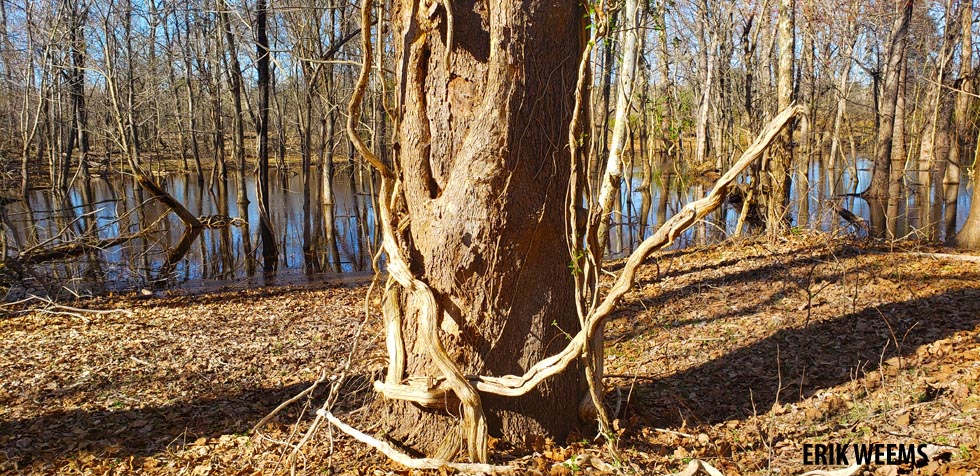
<point>406,460</point>
<point>51,307</point>
<point>851,218</point>
<point>310,389</point>
<point>946,256</point>
<point>39,255</point>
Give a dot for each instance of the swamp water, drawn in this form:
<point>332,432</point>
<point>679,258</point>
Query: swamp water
<point>104,208</point>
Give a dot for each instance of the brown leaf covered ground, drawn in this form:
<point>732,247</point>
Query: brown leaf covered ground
<point>736,355</point>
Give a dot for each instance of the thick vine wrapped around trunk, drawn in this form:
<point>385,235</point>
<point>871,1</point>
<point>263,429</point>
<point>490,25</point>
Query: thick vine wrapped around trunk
<point>474,217</point>
<point>487,333</point>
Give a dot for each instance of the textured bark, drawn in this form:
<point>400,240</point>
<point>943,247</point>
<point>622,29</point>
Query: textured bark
<point>782,154</point>
<point>612,177</point>
<point>484,177</point>
<point>269,249</point>
<point>893,70</point>
<point>962,128</point>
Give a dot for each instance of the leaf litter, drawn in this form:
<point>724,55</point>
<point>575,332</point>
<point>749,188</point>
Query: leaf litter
<point>724,359</point>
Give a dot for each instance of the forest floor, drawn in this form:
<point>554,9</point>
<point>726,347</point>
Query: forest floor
<point>738,355</point>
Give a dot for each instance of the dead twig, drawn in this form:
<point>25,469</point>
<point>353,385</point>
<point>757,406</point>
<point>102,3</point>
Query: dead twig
<point>274,412</point>
<point>51,307</point>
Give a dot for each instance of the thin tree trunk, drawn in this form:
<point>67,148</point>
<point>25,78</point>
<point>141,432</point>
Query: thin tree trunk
<point>781,161</point>
<point>269,250</point>
<point>961,129</point>
<point>613,175</point>
<point>898,159</point>
<point>600,135</point>
<point>192,115</point>
<point>886,119</point>
<point>934,138</point>
<point>841,110</point>
<point>238,120</point>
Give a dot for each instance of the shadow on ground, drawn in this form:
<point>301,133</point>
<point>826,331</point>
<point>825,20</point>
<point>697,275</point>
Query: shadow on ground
<point>54,437</point>
<point>794,363</point>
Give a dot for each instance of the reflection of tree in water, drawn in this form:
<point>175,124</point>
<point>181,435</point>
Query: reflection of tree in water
<point>107,234</point>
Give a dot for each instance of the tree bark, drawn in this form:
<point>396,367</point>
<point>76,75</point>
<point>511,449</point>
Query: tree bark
<point>780,164</point>
<point>612,178</point>
<point>484,177</point>
<point>961,121</point>
<point>79,117</point>
<point>934,141</point>
<point>238,119</point>
<point>897,172</point>
<point>269,250</point>
<point>886,119</point>
<point>842,90</point>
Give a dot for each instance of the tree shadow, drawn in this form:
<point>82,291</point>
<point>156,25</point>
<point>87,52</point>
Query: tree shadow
<point>245,290</point>
<point>794,363</point>
<point>46,440</point>
<point>628,327</point>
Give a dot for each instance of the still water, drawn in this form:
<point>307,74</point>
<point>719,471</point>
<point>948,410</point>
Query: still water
<point>812,193</point>
<point>110,207</point>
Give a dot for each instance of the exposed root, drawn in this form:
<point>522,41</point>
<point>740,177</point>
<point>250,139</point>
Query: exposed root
<point>50,307</point>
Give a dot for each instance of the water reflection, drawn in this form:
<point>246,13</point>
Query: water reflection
<point>670,189</point>
<point>118,207</point>
<point>146,235</point>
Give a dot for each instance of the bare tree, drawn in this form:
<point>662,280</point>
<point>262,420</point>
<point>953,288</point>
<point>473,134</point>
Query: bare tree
<point>269,249</point>
<point>631,42</point>
<point>895,57</point>
<point>777,219</point>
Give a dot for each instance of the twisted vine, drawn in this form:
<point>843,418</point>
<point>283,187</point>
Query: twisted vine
<point>583,249</point>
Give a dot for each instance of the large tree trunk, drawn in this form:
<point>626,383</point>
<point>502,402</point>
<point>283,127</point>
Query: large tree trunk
<point>484,175</point>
